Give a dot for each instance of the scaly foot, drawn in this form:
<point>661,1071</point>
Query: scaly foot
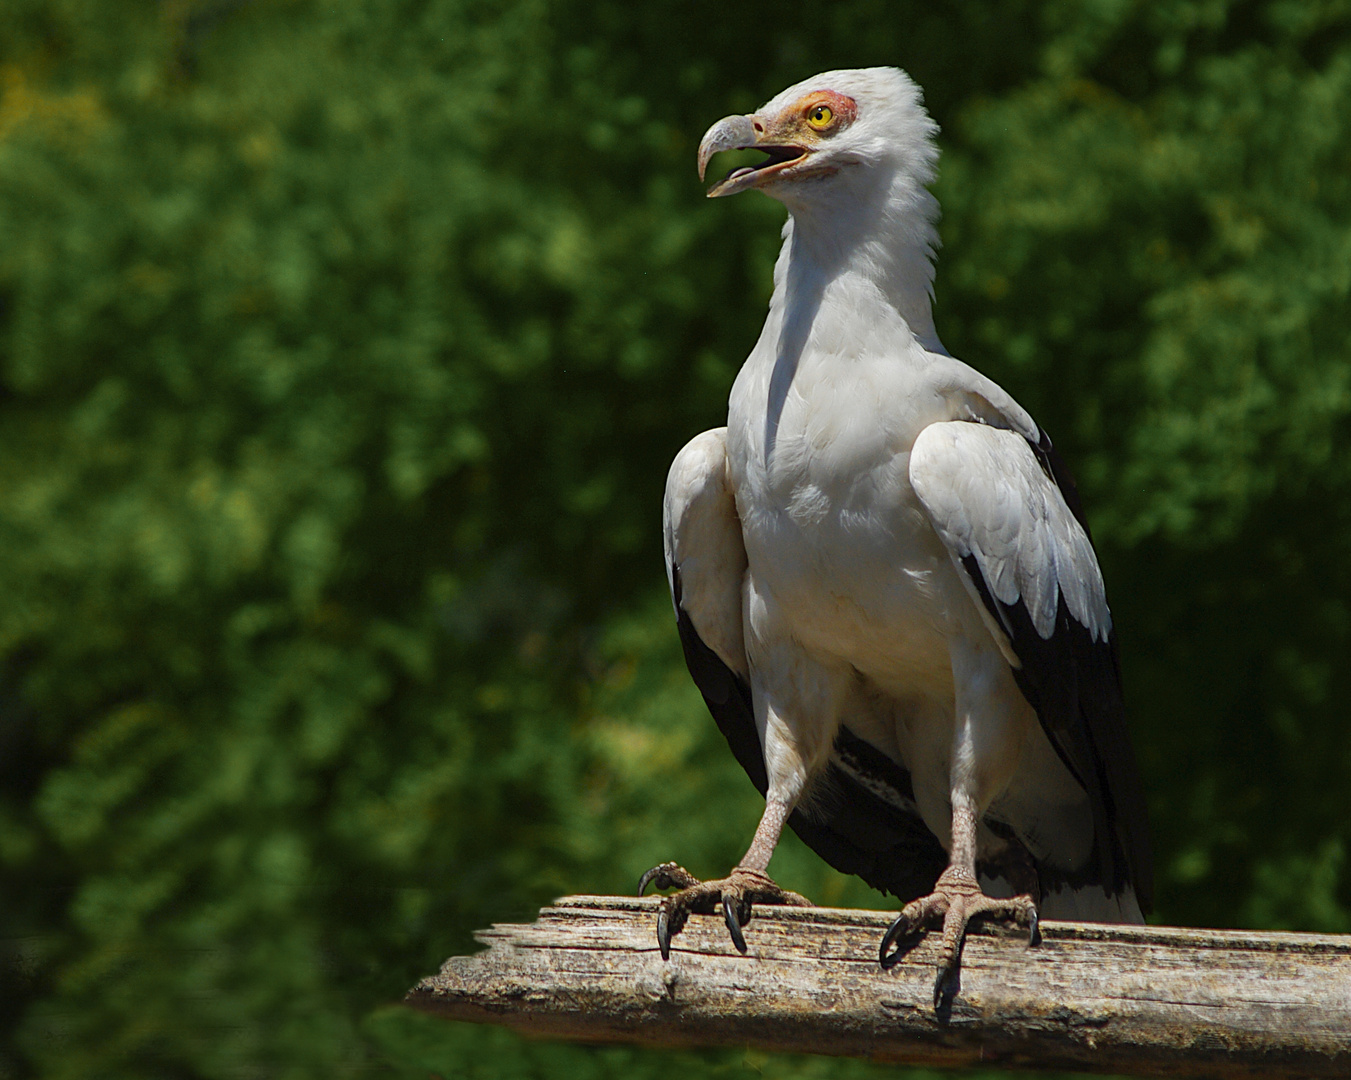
<point>956,899</point>
<point>734,894</point>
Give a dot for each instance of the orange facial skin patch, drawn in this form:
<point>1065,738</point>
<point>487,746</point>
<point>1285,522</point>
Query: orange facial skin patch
<point>842,110</point>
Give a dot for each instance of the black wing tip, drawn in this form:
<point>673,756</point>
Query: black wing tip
<point>726,694</point>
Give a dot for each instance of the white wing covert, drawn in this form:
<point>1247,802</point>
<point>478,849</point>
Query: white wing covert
<point>705,555</point>
<point>989,499</point>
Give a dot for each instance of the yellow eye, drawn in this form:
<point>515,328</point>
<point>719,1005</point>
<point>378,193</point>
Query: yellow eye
<point>820,116</point>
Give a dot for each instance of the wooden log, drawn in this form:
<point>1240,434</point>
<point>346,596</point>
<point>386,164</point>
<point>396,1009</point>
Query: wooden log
<point>1160,1001</point>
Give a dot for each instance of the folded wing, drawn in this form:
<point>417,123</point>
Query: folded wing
<point>1007,511</point>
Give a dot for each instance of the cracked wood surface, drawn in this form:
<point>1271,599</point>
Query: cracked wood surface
<point>1158,1001</point>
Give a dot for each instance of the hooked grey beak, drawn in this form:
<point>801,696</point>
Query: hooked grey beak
<point>729,133</point>
<point>746,133</point>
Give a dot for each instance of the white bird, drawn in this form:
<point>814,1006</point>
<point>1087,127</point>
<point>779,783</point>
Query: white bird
<point>882,576</point>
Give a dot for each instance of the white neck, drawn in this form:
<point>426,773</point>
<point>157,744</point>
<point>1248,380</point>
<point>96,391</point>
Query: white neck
<point>839,239</point>
<point>879,228</point>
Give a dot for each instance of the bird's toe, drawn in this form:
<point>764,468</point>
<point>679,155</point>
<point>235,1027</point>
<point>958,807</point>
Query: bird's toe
<point>956,900</point>
<point>734,896</point>
<point>667,875</point>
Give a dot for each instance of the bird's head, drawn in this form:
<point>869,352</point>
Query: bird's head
<point>837,130</point>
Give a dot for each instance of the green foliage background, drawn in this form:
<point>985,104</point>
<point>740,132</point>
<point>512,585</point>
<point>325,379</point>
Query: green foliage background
<point>344,347</point>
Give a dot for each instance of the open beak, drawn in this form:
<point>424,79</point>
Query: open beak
<point>746,133</point>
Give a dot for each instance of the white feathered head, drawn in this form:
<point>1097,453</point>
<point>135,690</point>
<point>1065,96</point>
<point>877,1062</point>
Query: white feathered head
<point>835,132</point>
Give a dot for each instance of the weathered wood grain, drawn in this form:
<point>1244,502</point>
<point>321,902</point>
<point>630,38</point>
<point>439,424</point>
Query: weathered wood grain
<point>1157,1001</point>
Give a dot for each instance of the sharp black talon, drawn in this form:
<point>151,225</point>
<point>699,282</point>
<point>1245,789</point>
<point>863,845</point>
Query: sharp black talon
<point>1034,931</point>
<point>664,933</point>
<point>894,933</point>
<point>946,986</point>
<point>733,925</point>
<point>647,879</point>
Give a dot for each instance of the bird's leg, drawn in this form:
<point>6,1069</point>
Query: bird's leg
<point>957,898</point>
<point>748,884</point>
